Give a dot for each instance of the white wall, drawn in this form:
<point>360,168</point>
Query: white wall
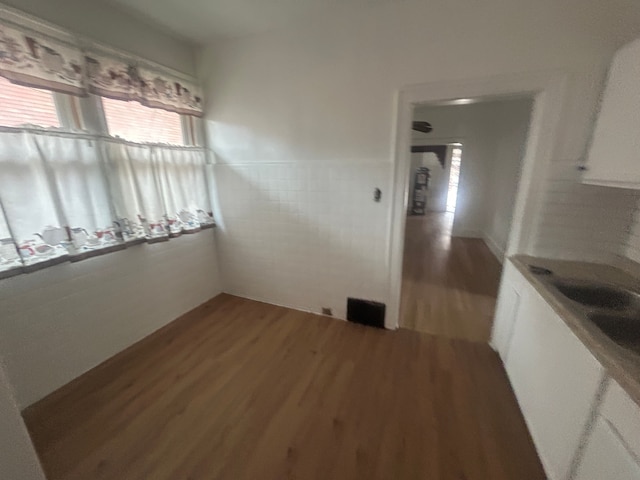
<point>61,321</point>
<point>304,235</point>
<point>18,459</point>
<point>108,24</point>
<point>510,131</point>
<point>313,105</point>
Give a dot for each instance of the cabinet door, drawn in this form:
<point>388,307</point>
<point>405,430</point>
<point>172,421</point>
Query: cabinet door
<point>623,414</point>
<point>504,320</point>
<point>606,457</point>
<point>614,155</point>
<point>511,284</point>
<point>555,379</point>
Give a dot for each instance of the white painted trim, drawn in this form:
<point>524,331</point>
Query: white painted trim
<point>548,88</point>
<point>436,141</point>
<point>496,249</point>
<point>612,183</point>
<point>283,305</point>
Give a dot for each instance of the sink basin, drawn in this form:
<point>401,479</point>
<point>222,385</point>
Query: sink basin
<point>600,295</point>
<point>622,329</point>
<point>614,309</point>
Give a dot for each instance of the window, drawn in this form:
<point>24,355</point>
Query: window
<point>24,105</point>
<point>137,123</point>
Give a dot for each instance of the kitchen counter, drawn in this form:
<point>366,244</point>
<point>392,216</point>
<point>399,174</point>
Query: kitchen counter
<point>623,365</point>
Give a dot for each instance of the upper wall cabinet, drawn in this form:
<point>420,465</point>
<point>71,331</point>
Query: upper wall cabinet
<point>614,155</point>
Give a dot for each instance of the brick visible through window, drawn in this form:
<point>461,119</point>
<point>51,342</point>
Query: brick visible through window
<point>24,105</point>
<point>137,123</point>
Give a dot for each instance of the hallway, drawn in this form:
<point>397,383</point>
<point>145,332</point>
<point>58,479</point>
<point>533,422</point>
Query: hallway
<point>449,285</point>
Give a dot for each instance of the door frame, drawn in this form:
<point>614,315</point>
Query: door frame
<point>548,90</point>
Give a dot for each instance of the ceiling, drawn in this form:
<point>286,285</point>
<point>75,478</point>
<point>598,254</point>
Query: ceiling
<point>203,21</point>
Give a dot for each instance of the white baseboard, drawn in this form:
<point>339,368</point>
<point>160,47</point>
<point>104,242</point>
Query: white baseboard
<point>497,251</point>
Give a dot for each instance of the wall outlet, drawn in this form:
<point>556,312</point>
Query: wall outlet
<point>327,311</point>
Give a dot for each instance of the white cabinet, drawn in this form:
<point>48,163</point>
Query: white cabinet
<point>606,456</point>
<point>506,309</point>
<point>555,379</point>
<point>511,286</point>
<point>624,416</point>
<point>614,154</point>
<point>613,444</point>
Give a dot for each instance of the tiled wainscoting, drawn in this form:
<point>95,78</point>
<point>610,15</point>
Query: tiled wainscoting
<point>305,235</point>
<point>61,321</point>
<point>585,222</point>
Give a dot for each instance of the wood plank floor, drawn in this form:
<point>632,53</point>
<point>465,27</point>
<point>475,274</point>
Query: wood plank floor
<point>449,284</point>
<point>238,389</point>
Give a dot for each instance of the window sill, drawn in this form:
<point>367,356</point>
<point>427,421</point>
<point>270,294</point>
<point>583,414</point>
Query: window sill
<point>77,257</point>
<point>98,251</point>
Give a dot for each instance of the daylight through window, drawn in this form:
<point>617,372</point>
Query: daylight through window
<point>137,123</point>
<point>26,106</point>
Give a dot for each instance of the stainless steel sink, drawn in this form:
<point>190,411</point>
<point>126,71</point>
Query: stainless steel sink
<point>614,309</point>
<point>622,329</point>
<point>599,295</point>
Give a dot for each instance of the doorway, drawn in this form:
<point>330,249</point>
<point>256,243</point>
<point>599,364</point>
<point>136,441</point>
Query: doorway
<point>454,177</point>
<point>456,238</point>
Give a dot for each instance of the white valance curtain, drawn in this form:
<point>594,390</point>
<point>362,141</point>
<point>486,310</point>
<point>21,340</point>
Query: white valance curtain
<point>34,59</point>
<point>70,196</point>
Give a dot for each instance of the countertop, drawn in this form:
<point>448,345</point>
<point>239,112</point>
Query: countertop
<point>621,364</point>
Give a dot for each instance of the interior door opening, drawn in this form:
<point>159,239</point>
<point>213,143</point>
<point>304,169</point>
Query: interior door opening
<point>454,178</point>
<point>463,181</point>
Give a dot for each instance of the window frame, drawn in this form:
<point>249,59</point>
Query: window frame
<point>88,114</point>
<point>190,125</point>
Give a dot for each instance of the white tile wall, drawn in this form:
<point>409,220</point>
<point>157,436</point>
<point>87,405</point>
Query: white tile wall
<point>583,222</point>
<point>61,321</point>
<point>304,235</point>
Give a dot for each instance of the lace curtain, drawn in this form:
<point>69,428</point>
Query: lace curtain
<point>68,196</point>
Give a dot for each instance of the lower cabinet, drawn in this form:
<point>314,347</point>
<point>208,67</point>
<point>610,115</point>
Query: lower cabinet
<point>606,456</point>
<point>555,379</point>
<point>612,448</point>
<point>583,423</point>
<point>506,309</point>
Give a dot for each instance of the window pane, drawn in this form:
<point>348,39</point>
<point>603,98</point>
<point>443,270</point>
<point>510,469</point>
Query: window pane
<point>137,123</point>
<point>24,105</point>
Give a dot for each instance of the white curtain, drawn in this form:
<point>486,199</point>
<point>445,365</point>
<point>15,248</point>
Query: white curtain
<point>182,183</point>
<point>134,188</point>
<point>77,178</point>
<point>29,198</point>
<point>158,191</point>
<point>78,195</point>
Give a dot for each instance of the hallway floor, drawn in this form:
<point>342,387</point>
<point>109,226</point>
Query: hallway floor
<point>243,390</point>
<point>449,284</point>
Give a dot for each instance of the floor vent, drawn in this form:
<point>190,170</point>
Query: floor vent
<point>365,312</point>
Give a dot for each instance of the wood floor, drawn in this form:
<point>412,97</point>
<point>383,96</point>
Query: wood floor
<point>449,284</point>
<point>239,390</point>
